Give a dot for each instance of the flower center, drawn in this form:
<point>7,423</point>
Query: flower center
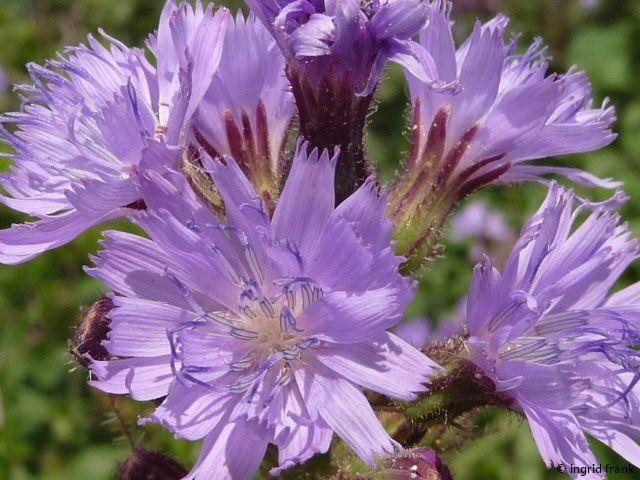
<point>269,325</point>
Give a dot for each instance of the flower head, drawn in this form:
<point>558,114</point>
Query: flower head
<point>248,109</point>
<point>552,341</point>
<point>506,112</point>
<point>416,464</point>
<point>150,464</point>
<point>87,119</point>
<point>350,40</point>
<point>335,53</point>
<point>260,330</point>
<point>486,228</point>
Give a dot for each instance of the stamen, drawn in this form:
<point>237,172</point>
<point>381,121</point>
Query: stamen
<point>242,364</point>
<point>311,342</point>
<point>192,379</point>
<point>244,383</point>
<point>257,205</point>
<point>307,295</point>
<point>250,293</point>
<point>285,377</point>
<point>560,322</point>
<point>191,225</point>
<point>533,350</point>
<point>289,321</point>
<point>293,248</point>
<point>252,261</point>
<point>173,279</point>
<point>318,293</point>
<point>523,347</point>
<point>242,334</point>
<point>625,392</point>
<point>233,273</point>
<point>226,318</point>
<point>505,315</point>
<point>247,310</point>
<point>292,353</point>
<point>291,297</point>
<point>267,308</point>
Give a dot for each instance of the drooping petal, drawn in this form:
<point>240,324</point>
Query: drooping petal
<point>231,451</point>
<point>386,365</point>
<point>346,411</point>
<point>144,378</point>
<point>26,241</point>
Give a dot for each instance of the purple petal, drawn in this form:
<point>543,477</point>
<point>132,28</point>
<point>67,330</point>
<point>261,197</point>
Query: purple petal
<point>415,331</point>
<point>558,438</point>
<point>191,412</point>
<point>26,241</point>
<point>231,451</point>
<point>138,328</point>
<point>307,200</point>
<point>344,318</point>
<point>346,411</point>
<point>385,364</point>
<point>144,378</point>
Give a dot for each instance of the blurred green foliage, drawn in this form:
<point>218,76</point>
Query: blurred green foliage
<point>53,426</point>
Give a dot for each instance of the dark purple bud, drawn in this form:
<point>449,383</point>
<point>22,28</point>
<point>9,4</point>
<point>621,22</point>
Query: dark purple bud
<point>93,329</point>
<point>330,115</point>
<point>418,464</point>
<point>148,465</point>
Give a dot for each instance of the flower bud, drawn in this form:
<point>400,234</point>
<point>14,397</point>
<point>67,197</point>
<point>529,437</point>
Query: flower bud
<point>149,465</point>
<point>93,329</point>
<point>418,464</point>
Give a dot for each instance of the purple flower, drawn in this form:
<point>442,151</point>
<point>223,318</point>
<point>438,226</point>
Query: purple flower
<point>350,40</point>
<point>248,108</point>
<point>506,112</point>
<point>335,54</point>
<point>260,330</point>
<point>87,119</point>
<point>553,341</point>
<point>486,227</point>
<point>478,220</point>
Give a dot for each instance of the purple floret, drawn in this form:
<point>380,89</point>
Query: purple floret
<point>335,54</point>
<point>89,116</point>
<point>507,111</point>
<point>261,330</point>
<point>350,39</point>
<point>554,341</point>
<point>248,109</point>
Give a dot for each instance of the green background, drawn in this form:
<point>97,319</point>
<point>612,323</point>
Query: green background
<point>52,426</point>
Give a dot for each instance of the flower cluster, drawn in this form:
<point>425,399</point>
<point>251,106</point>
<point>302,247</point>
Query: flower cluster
<point>259,306</point>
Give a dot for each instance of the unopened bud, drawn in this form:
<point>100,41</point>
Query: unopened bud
<point>417,464</point>
<point>149,465</point>
<point>93,329</point>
